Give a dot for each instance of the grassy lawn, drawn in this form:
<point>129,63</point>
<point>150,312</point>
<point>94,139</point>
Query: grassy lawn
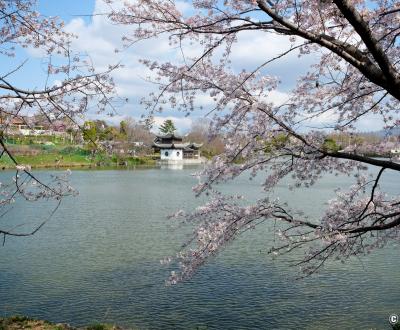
<point>47,160</point>
<point>39,156</point>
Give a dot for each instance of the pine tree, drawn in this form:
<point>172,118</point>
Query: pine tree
<point>167,127</point>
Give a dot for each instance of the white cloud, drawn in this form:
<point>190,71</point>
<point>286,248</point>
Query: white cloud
<point>328,119</point>
<point>371,122</point>
<point>182,124</point>
<point>183,6</point>
<point>100,38</point>
<point>258,46</point>
<point>277,97</point>
<point>255,48</point>
<point>324,120</point>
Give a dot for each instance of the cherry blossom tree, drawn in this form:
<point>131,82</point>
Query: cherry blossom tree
<point>70,86</point>
<point>355,74</point>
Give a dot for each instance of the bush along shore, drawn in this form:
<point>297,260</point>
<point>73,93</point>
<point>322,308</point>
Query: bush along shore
<point>22,322</point>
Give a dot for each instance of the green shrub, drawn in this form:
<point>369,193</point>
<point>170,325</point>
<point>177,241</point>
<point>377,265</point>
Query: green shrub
<point>330,145</point>
<point>47,148</point>
<point>74,150</point>
<point>18,318</point>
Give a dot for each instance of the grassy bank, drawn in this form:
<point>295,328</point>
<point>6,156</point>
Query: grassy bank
<point>62,156</point>
<point>70,161</point>
<point>22,322</point>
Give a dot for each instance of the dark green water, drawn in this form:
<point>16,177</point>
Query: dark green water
<point>97,260</point>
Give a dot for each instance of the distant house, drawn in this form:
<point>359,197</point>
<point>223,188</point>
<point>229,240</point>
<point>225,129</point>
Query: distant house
<point>32,126</point>
<point>172,148</point>
<point>59,126</point>
<point>395,153</point>
<point>20,126</point>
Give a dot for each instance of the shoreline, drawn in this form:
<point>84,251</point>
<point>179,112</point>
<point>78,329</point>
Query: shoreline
<point>95,167</point>
<point>54,161</point>
<point>23,322</point>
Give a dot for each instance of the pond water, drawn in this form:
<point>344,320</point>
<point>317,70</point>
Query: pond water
<point>97,260</point>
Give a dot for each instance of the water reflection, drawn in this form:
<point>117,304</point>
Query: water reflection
<point>171,166</point>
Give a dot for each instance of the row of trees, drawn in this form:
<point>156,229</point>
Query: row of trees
<point>130,132</point>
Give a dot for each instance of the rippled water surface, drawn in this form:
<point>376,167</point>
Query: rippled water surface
<point>97,260</point>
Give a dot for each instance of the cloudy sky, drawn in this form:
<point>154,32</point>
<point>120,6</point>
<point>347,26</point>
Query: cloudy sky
<point>99,38</point>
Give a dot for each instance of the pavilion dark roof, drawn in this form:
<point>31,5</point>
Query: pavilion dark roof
<point>173,141</point>
<point>171,136</point>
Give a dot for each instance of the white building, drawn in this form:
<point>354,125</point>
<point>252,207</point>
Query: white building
<point>172,148</point>
<point>395,154</point>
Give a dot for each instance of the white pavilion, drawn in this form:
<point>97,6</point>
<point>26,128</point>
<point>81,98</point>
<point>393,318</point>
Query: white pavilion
<point>172,148</point>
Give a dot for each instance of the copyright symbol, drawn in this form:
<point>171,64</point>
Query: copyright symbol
<point>393,319</point>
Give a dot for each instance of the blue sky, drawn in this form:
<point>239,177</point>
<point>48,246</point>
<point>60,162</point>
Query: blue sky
<point>98,38</point>
<point>67,9</point>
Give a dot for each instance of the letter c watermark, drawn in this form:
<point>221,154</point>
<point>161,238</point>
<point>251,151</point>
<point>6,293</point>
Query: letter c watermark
<point>393,319</point>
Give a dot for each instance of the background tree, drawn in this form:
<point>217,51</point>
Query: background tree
<point>167,127</point>
<point>200,133</point>
<point>123,128</point>
<point>138,132</point>
<point>70,86</point>
<point>356,73</point>
<point>89,133</point>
